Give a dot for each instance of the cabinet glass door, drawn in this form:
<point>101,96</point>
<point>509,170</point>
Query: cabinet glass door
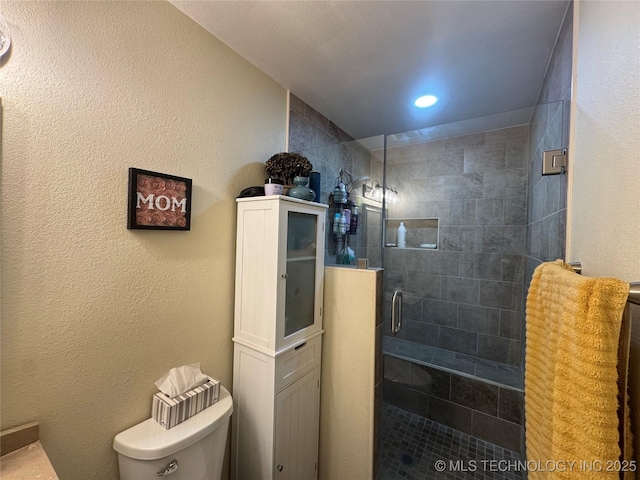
<point>301,272</point>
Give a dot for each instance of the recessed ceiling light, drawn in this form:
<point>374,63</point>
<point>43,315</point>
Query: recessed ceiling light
<point>425,101</point>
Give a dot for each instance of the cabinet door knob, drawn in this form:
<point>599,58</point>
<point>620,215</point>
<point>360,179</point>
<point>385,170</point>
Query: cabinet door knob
<point>285,275</point>
<point>279,468</point>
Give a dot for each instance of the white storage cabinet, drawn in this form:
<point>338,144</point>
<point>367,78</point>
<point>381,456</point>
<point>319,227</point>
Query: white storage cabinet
<point>277,338</point>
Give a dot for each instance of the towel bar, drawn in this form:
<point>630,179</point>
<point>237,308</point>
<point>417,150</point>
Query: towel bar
<point>634,287</point>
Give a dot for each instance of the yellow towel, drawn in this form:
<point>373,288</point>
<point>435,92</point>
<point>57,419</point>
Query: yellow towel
<point>573,328</point>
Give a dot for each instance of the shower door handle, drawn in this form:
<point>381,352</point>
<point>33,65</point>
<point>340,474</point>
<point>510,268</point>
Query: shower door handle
<point>396,312</point>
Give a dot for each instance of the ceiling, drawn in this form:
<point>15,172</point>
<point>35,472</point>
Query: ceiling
<point>362,63</point>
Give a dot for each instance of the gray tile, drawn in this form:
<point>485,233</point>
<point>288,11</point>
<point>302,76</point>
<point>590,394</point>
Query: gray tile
<point>460,239</point>
<point>506,377</point>
<point>474,394</point>
<point>424,285</point>
<point>565,52</point>
<point>499,349</point>
<point>452,362</point>
<point>503,239</point>
<point>552,194</point>
<point>511,406</point>
<point>481,265</point>
<point>484,158</point>
<point>517,154</point>
<point>512,268</point>
<point>553,236</point>
<point>302,134</point>
<point>393,280</point>
<point>454,187</point>
<point>534,234</point>
<point>411,259</point>
<point>535,173</point>
<point>411,307</point>
<point>530,265</point>
<point>468,212</point>
<point>515,211</point>
<point>460,290</point>
<point>505,183</point>
<point>396,370</point>
<point>406,398</point>
<point>450,414</point>
<point>339,133</point>
<point>495,136</point>
<point>511,324</point>
<point>430,381</point>
<point>421,333</point>
<point>498,431</point>
<point>297,105</point>
<point>403,172</point>
<point>503,295</point>
<point>537,200</point>
<point>435,210</point>
<point>441,263</point>
<point>458,340</point>
<point>392,345</point>
<point>490,211</point>
<point>465,141</point>
<point>479,319</point>
<point>317,118</point>
<point>440,313</point>
<point>553,137</point>
<point>455,213</point>
<point>449,162</point>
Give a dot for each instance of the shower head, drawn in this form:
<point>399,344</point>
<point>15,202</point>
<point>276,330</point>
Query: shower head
<point>352,183</point>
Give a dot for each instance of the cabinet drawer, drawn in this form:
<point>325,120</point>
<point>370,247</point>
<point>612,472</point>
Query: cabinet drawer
<point>294,363</point>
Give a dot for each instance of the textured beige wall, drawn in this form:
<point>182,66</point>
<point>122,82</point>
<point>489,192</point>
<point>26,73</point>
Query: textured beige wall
<point>347,399</point>
<point>603,223</point>
<point>604,203</point>
<point>94,313</point>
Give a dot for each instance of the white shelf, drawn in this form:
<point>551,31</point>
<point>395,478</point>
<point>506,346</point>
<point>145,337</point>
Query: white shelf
<point>301,259</point>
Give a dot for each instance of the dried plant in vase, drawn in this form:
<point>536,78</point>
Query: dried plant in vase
<point>285,166</point>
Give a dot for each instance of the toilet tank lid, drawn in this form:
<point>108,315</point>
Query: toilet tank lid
<point>150,441</point>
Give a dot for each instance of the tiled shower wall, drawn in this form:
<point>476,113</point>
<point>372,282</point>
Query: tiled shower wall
<point>467,295</point>
<point>329,148</point>
<point>547,205</point>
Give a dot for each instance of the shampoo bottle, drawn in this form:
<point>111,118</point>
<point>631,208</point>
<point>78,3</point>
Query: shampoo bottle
<point>402,236</point>
<point>336,224</point>
<point>353,227</point>
<point>343,224</point>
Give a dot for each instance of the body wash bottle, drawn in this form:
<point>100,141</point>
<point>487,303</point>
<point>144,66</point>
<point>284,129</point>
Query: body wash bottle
<point>402,236</point>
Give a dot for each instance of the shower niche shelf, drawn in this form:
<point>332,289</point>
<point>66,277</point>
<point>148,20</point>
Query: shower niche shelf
<point>422,233</point>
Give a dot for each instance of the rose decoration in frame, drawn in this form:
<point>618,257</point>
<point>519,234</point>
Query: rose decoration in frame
<point>158,201</point>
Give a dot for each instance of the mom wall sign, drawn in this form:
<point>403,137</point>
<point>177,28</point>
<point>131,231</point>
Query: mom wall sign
<point>158,201</point>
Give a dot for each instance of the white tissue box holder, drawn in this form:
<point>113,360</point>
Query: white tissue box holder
<point>170,412</point>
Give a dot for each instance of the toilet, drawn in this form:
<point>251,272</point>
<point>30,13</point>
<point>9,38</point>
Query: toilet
<point>192,450</point>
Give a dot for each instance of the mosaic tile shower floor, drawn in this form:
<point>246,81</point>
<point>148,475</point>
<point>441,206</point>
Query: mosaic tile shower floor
<point>415,448</point>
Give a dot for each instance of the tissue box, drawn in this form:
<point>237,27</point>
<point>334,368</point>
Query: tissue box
<point>170,412</point>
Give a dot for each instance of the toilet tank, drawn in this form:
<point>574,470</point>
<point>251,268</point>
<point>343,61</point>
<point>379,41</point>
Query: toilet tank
<point>192,450</point>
